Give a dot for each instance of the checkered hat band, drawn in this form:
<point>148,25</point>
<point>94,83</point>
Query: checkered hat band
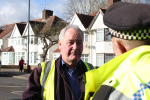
<point>131,35</point>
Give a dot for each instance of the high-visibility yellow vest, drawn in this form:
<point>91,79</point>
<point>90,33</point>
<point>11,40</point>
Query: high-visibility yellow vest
<point>47,81</point>
<point>128,74</point>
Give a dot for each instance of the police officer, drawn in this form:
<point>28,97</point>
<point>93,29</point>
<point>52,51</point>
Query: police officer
<point>126,76</point>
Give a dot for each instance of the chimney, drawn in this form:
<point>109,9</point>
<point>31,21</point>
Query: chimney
<point>46,14</point>
<point>110,2</point>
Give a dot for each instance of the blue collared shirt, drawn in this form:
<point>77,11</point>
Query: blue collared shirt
<point>72,78</point>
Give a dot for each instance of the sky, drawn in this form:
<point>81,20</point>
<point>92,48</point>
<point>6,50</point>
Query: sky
<point>13,11</point>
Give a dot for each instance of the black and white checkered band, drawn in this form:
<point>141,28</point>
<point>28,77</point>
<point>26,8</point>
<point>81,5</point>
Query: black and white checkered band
<point>131,35</point>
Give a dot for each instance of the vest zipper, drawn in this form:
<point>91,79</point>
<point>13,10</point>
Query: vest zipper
<point>68,86</point>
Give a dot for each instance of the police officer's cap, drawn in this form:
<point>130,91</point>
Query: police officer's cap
<point>128,21</point>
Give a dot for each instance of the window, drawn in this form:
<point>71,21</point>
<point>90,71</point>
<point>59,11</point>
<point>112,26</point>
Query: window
<point>11,57</point>
<point>23,41</point>
<point>35,40</point>
<point>103,58</point>
<point>33,57</point>
<point>107,37</point>
<point>99,59</point>
<point>5,57</point>
<point>55,56</point>
<point>3,28</point>
<point>9,27</point>
<point>30,57</point>
<point>100,35</point>
<point>85,57</point>
<point>23,55</point>
<point>108,57</point>
<point>18,56</point>
<point>18,41</point>
<point>12,42</point>
<point>86,37</point>
<point>31,40</point>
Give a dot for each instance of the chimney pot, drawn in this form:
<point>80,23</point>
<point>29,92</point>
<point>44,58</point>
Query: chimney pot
<point>46,14</point>
<point>110,2</point>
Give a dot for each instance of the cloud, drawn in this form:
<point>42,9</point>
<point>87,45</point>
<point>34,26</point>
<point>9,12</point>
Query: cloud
<point>13,11</point>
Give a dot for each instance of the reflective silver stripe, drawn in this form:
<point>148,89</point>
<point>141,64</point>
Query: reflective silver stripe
<point>106,92</point>
<point>116,95</point>
<point>46,72</point>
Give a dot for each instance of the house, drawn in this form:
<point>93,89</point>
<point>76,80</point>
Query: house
<point>5,32</point>
<point>97,47</point>
<point>15,37</point>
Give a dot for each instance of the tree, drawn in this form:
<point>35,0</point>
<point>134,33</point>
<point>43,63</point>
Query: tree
<point>49,33</point>
<point>89,6</point>
<point>82,7</point>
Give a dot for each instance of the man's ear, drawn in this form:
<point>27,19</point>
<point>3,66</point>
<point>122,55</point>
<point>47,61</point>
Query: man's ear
<point>120,47</point>
<point>59,43</point>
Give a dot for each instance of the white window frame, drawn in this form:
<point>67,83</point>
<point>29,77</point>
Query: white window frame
<point>103,58</point>
<point>12,41</point>
<point>101,30</point>
<point>11,57</point>
<point>86,34</point>
<point>106,37</point>
<point>33,57</point>
<point>55,55</point>
<point>22,41</point>
<point>84,57</point>
<point>18,56</point>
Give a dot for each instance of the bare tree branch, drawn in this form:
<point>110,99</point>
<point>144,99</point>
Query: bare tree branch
<point>49,32</point>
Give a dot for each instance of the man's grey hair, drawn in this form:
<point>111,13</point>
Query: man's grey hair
<point>62,32</point>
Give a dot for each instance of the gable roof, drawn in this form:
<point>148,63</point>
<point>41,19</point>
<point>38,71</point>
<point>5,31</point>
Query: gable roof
<point>21,27</point>
<point>8,49</point>
<point>6,29</point>
<point>85,19</point>
<point>96,13</point>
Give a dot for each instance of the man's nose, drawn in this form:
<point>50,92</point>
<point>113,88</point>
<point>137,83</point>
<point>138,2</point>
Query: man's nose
<point>75,46</point>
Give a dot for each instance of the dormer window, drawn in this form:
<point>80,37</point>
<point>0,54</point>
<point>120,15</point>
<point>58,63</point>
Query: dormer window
<point>3,28</point>
<point>9,27</point>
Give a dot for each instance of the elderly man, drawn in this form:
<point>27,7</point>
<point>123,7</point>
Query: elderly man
<point>126,77</point>
<point>61,79</point>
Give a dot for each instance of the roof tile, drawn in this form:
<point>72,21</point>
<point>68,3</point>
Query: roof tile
<point>8,49</point>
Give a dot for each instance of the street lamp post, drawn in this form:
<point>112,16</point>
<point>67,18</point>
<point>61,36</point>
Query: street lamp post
<point>28,67</point>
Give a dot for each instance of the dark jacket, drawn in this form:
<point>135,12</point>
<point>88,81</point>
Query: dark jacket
<point>62,88</point>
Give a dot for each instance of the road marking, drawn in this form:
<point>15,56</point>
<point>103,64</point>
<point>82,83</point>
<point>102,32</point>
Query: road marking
<point>13,86</point>
<point>17,92</point>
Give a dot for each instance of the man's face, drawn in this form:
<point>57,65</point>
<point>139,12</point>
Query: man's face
<point>71,46</point>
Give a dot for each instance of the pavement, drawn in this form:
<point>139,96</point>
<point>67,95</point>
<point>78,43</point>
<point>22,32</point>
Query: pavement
<point>7,72</point>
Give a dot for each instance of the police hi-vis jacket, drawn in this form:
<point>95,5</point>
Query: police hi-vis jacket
<point>126,77</point>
